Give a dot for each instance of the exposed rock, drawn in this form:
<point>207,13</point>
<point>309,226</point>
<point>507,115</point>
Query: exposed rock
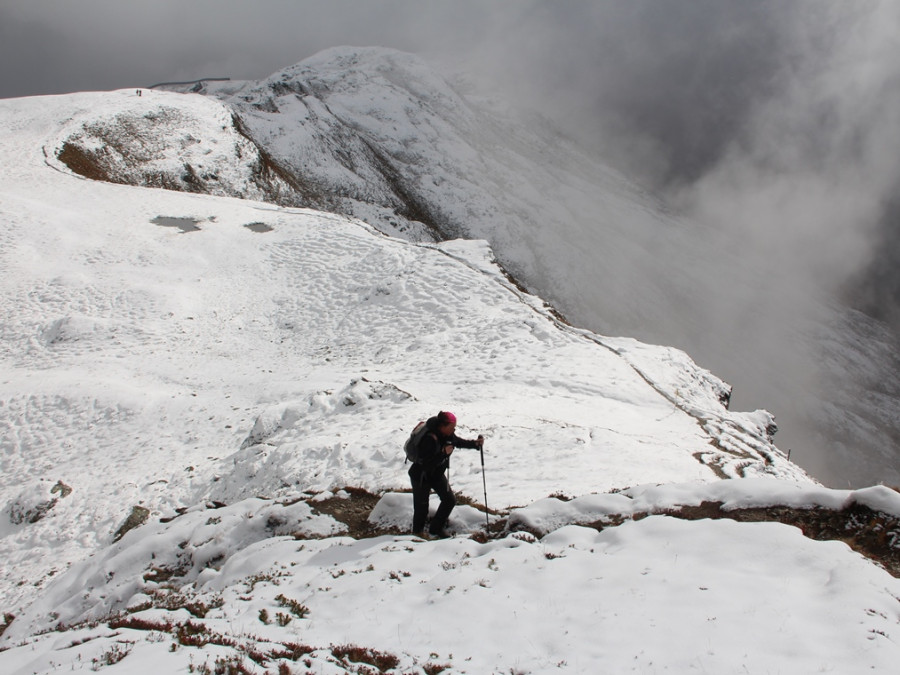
<point>19,513</point>
<point>136,518</point>
<point>61,488</point>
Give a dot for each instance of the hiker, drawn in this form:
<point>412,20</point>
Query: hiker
<point>429,471</point>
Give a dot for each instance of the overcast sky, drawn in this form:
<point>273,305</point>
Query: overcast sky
<point>51,46</point>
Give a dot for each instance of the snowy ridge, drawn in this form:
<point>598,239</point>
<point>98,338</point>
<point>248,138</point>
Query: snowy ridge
<point>376,134</point>
<point>265,358</point>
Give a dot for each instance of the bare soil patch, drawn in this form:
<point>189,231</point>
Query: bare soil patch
<point>352,511</point>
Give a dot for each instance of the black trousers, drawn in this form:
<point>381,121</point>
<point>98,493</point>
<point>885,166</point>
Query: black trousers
<point>422,485</point>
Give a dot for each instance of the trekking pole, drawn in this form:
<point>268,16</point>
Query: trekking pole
<point>487,521</point>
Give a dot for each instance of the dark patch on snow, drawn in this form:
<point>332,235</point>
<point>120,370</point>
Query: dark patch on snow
<point>259,227</point>
<point>183,224</point>
<point>353,511</point>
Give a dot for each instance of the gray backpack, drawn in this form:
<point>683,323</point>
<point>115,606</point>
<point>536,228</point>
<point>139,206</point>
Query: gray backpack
<point>411,447</point>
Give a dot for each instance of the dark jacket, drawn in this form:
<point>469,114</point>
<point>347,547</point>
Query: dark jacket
<point>432,458</point>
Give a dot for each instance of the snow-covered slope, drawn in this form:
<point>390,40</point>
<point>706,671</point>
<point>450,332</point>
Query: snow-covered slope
<point>377,134</point>
<point>389,139</point>
<point>164,351</point>
<point>295,359</point>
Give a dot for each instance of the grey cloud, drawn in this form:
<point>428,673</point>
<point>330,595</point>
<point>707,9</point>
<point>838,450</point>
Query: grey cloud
<point>104,44</point>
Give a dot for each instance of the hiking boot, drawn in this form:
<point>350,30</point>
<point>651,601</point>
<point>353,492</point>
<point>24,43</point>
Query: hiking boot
<point>441,534</point>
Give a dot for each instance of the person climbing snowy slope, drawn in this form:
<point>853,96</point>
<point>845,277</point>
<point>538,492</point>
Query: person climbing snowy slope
<point>429,472</point>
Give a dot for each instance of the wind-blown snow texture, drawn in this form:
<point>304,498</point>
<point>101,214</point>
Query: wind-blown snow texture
<point>269,353</point>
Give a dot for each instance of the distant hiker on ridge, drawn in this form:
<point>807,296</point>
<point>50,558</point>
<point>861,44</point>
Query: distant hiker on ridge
<point>433,444</point>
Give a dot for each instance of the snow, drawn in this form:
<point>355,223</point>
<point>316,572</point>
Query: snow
<point>229,381</point>
<point>658,594</point>
<point>391,143</point>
